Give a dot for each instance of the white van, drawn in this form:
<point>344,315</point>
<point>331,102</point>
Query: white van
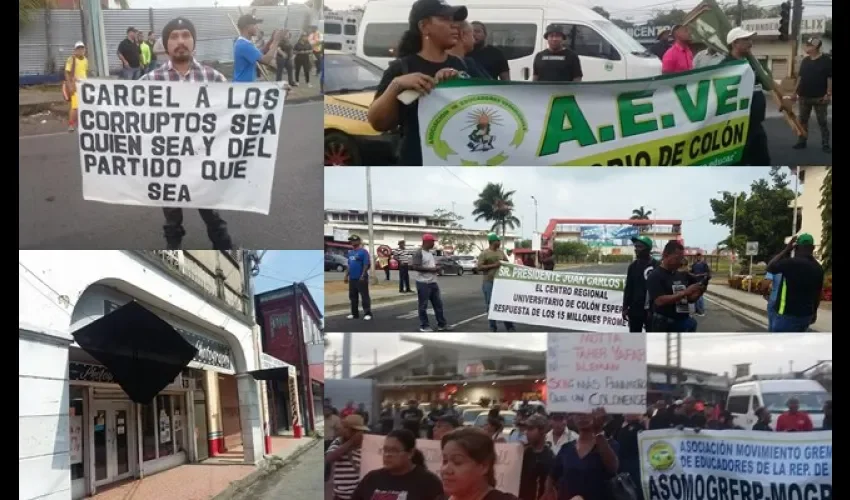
<point>746,397</point>
<point>339,31</point>
<point>516,27</point>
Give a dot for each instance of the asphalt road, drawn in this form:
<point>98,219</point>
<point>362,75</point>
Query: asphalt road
<point>301,479</point>
<point>53,214</point>
<point>780,140</point>
<point>463,302</point>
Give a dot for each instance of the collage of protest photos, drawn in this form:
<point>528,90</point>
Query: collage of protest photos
<point>541,250</point>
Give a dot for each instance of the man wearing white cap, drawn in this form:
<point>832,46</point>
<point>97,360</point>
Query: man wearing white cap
<point>76,68</point>
<point>756,153</point>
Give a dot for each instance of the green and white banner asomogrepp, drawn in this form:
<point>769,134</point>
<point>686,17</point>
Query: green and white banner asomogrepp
<point>735,465</point>
<point>572,301</point>
<point>699,117</point>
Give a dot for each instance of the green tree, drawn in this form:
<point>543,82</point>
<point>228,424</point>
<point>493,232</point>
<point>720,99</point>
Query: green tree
<point>763,216</point>
<point>268,3</point>
<point>826,221</point>
<point>495,206</point>
<point>452,233</point>
<point>664,18</point>
<point>751,10</point>
<point>28,8</point>
<point>602,12</point>
<point>571,251</point>
<point>641,214</point>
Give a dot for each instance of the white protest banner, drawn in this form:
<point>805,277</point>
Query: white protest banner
<point>179,144</point>
<point>698,117</point>
<point>508,460</point>
<point>585,371</point>
<point>574,301</point>
<point>735,465</point>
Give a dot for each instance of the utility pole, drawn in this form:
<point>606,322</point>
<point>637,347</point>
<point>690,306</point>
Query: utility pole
<point>796,33</point>
<point>734,221</point>
<point>796,196</point>
<point>739,16</point>
<point>535,214</point>
<point>674,357</point>
<point>346,355</point>
<point>372,249</point>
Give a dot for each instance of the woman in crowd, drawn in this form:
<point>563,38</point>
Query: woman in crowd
<point>303,52</point>
<point>422,61</point>
<point>404,472</point>
<point>584,468</point>
<point>469,458</point>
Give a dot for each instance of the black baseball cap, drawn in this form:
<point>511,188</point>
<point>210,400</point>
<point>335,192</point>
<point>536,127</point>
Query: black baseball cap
<point>423,9</point>
<point>354,238</point>
<point>247,20</point>
<point>552,29</point>
<point>178,23</point>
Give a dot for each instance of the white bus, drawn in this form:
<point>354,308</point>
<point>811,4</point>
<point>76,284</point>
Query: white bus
<point>339,30</point>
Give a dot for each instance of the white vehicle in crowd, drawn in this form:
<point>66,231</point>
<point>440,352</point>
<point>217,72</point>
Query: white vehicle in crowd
<point>508,417</point>
<point>468,263</point>
<point>606,51</point>
<point>516,405</point>
<point>470,415</point>
<point>339,30</point>
<point>746,397</point>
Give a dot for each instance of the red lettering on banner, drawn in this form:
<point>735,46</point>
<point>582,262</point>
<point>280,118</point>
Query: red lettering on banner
<point>596,366</point>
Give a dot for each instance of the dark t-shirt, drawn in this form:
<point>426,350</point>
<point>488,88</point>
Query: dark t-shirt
<point>286,47</point>
<point>800,287</point>
<point>491,60</point>
<point>411,147</point>
<point>585,477</point>
<point>659,419</point>
<point>634,295</point>
<point>131,52</point>
<point>813,76</point>
<point>411,419</point>
<point>549,263</point>
<point>627,438</point>
<point>474,69</point>
<point>762,426</point>
<point>536,466</point>
<point>561,66</point>
<point>662,282</point>
<point>418,484</point>
<point>694,421</point>
<point>303,46</point>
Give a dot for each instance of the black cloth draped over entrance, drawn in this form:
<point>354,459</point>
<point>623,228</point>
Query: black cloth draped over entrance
<point>143,352</point>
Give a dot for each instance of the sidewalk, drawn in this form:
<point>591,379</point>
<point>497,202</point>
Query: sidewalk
<point>204,480</point>
<point>757,304</point>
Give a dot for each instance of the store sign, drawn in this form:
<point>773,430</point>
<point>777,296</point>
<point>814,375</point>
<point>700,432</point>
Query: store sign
<point>210,352</point>
<point>268,362</point>
<point>84,372</point>
<point>647,31</point>
<point>770,27</point>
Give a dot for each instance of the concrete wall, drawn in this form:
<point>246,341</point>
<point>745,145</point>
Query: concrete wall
<point>809,200</point>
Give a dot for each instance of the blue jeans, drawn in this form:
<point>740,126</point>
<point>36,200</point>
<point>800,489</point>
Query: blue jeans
<point>699,306</point>
<point>487,288</point>
<point>430,292</point>
<point>131,73</point>
<point>771,318</point>
<point>791,324</point>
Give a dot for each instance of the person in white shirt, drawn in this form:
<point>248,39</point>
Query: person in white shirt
<point>560,434</point>
<point>425,264</point>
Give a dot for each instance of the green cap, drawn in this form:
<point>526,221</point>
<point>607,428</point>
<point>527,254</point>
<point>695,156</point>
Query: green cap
<point>493,237</point>
<point>353,237</point>
<point>644,240</point>
<point>805,239</point>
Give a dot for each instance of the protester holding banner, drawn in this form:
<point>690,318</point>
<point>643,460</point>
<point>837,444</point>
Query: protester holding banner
<point>489,261</point>
<point>490,58</point>
<point>404,474</point>
<point>740,42</point>
<point>469,458</point>
<point>635,302</point>
<point>671,291</point>
<point>179,37</point>
<point>423,61</point>
<point>585,467</point>
<point>679,57</point>
<point>794,420</point>
<point>462,49</point>
<point>763,420</point>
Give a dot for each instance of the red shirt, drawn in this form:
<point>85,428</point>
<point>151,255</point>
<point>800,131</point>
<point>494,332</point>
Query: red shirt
<point>346,412</point>
<point>677,59</point>
<point>798,421</point>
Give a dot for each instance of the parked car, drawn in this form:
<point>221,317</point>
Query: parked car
<point>334,262</point>
<point>447,265</point>
<point>468,263</point>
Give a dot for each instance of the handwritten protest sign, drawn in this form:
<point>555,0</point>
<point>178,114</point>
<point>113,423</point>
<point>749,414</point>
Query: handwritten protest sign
<point>508,460</point>
<point>684,465</point>
<point>575,301</point>
<point>585,371</point>
<point>697,117</point>
<point>179,144</point>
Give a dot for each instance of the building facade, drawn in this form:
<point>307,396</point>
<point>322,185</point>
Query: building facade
<point>290,325</point>
<point>612,236</point>
<point>808,201</point>
<point>389,227</point>
<point>81,424</point>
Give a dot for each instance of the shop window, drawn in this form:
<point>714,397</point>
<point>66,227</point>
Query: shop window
<point>148,432</point>
<point>163,420</point>
<point>77,443</point>
<point>178,426</point>
<point>163,424</point>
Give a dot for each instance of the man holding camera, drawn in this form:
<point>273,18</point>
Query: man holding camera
<point>671,292</point>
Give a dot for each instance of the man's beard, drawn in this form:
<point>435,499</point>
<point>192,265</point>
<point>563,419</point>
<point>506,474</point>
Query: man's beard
<point>181,58</point>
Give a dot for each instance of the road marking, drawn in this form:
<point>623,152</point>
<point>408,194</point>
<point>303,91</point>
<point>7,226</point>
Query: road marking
<point>468,320</point>
<point>381,305</point>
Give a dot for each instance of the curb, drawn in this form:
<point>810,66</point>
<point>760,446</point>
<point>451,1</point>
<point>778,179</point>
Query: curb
<point>748,307</point>
<point>270,465</point>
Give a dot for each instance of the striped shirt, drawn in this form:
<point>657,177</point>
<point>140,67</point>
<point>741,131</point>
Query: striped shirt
<point>197,73</point>
<point>402,256</point>
<point>346,473</point>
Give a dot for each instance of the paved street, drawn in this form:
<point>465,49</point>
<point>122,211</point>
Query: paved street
<point>53,214</point>
<point>781,139</point>
<point>301,479</point>
<point>464,309</point>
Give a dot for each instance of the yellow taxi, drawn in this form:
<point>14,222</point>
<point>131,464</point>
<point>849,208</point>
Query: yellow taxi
<point>349,85</point>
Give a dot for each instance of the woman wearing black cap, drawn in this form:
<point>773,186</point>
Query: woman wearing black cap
<point>422,63</point>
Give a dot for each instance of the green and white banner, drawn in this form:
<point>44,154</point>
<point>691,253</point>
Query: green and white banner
<point>698,117</point>
<point>572,301</point>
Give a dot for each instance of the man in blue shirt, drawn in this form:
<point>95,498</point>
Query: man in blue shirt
<point>246,55</point>
<point>701,270</point>
<point>357,277</point>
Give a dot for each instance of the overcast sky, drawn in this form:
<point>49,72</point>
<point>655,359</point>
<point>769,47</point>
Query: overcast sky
<point>713,352</point>
<point>634,10</point>
<point>671,193</point>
